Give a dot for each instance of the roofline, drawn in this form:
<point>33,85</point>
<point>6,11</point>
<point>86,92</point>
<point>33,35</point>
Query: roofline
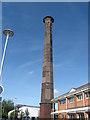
<point>30,106</point>
<point>26,106</point>
<point>67,94</point>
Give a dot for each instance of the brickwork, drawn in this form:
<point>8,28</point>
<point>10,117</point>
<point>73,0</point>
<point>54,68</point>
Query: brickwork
<point>75,104</point>
<point>84,102</point>
<point>87,101</point>
<point>61,107</point>
<point>45,109</point>
<point>79,103</point>
<point>71,105</point>
<point>47,93</point>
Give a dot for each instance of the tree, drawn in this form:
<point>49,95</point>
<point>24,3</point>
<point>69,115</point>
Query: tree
<point>13,115</point>
<point>26,113</point>
<point>7,105</point>
<point>22,115</point>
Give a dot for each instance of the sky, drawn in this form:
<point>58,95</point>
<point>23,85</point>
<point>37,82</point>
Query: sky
<point>0,31</point>
<point>45,0</point>
<point>23,65</point>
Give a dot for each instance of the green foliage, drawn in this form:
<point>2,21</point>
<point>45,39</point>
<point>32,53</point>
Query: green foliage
<point>7,105</point>
<point>22,114</point>
<point>26,112</point>
<point>14,115</point>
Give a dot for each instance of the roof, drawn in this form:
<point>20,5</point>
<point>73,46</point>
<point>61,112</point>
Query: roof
<point>71,92</point>
<point>20,105</point>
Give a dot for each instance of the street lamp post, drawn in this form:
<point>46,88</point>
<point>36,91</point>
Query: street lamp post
<point>14,107</point>
<point>7,33</point>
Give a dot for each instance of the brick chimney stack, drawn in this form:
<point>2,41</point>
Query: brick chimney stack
<point>47,92</point>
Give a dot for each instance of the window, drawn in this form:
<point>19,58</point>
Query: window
<point>71,99</point>
<point>79,97</point>
<point>62,116</point>
<point>62,101</point>
<point>81,116</point>
<point>0,99</point>
<point>72,116</point>
<point>88,116</point>
<point>33,118</point>
<point>88,94</point>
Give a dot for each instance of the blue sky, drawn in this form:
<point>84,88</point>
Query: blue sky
<point>45,0</point>
<point>22,71</point>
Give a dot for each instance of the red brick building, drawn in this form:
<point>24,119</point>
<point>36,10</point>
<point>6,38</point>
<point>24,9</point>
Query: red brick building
<point>74,104</point>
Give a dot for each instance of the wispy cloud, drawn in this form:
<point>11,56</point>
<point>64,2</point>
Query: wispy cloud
<point>26,47</point>
<point>58,65</point>
<point>31,72</point>
<point>29,63</point>
<point>63,65</point>
<point>56,92</point>
<point>20,50</point>
<point>35,48</point>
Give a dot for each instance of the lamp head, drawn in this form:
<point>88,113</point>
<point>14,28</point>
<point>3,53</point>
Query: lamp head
<point>9,32</point>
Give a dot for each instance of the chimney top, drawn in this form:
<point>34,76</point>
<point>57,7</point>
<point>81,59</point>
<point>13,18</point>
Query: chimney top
<point>52,19</point>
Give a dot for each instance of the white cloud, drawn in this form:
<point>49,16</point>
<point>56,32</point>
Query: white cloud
<point>29,63</point>
<point>31,72</point>
<point>56,91</point>
<point>58,65</point>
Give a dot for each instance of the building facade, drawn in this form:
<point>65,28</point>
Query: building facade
<point>33,112</point>
<point>74,104</point>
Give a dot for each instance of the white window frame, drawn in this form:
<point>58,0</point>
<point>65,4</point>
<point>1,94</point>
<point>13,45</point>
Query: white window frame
<point>88,95</point>
<point>71,101</point>
<point>78,98</point>
<point>63,103</point>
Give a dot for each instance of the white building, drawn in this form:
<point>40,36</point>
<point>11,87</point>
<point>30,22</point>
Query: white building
<point>33,111</point>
